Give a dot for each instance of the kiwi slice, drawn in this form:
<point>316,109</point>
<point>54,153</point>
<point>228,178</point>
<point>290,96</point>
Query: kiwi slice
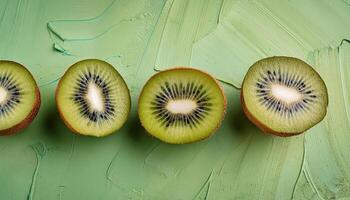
<point>284,96</point>
<point>19,97</point>
<point>181,105</point>
<point>93,98</point>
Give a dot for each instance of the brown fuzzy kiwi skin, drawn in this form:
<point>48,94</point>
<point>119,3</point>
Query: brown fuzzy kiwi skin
<point>188,68</point>
<point>30,117</point>
<point>58,108</point>
<point>260,125</point>
<point>32,114</point>
<point>60,111</point>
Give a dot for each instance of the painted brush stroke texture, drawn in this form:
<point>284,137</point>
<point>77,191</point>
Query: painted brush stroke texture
<point>223,37</point>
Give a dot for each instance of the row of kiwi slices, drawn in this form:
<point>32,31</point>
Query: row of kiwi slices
<point>283,96</point>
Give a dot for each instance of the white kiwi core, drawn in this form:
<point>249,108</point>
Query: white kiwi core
<point>3,95</point>
<point>286,94</point>
<point>182,106</point>
<point>95,98</point>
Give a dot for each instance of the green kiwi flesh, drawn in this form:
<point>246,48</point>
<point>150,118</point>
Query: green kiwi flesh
<point>284,96</point>
<point>93,98</point>
<point>181,105</point>
<point>19,97</point>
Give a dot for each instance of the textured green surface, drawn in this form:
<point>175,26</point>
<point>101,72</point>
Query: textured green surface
<point>223,37</point>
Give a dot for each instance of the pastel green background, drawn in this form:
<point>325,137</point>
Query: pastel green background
<point>223,37</point>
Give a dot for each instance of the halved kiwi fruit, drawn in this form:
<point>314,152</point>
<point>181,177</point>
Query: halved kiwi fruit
<point>284,96</point>
<point>181,105</point>
<point>19,97</point>
<point>93,98</point>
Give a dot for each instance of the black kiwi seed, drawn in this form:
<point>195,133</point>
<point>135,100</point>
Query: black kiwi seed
<point>180,91</point>
<point>80,91</point>
<point>284,96</point>
<point>263,87</point>
<point>20,97</point>
<point>9,84</point>
<point>181,105</point>
<point>92,98</point>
